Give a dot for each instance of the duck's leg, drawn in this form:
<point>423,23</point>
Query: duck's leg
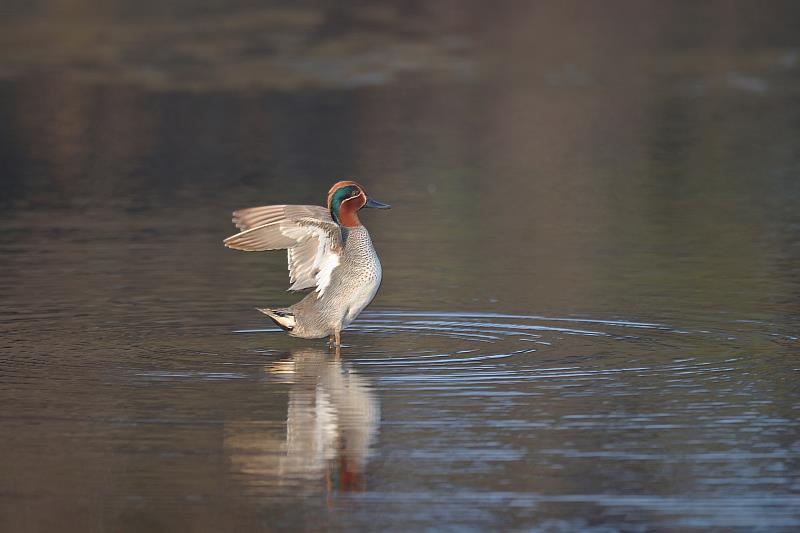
<point>338,342</point>
<point>335,341</point>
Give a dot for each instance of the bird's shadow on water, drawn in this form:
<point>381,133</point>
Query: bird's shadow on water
<point>332,422</point>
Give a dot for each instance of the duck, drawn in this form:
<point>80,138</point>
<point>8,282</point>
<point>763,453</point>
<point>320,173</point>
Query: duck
<point>328,249</point>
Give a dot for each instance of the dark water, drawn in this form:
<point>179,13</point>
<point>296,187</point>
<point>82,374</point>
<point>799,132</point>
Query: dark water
<point>590,312</point>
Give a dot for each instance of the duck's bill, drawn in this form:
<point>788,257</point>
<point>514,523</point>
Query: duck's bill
<point>376,204</point>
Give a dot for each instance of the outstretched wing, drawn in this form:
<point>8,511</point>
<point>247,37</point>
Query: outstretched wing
<point>312,239</point>
<point>251,217</point>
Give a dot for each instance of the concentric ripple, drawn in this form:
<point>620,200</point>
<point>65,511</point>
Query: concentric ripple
<point>487,327</point>
<point>462,349</point>
<point>578,403</point>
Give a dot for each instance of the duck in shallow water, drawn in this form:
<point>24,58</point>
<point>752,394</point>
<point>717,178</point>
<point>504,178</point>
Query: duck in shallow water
<point>328,250</point>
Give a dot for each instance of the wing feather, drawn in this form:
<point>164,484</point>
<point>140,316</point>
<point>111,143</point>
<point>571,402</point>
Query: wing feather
<point>251,217</point>
<point>312,239</point>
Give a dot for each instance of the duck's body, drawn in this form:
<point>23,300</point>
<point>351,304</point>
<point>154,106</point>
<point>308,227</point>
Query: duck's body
<point>352,287</point>
<point>328,249</point>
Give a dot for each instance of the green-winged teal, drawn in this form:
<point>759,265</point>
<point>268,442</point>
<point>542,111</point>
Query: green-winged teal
<point>328,249</point>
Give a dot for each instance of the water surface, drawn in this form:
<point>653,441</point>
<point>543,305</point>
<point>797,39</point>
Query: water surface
<point>589,319</point>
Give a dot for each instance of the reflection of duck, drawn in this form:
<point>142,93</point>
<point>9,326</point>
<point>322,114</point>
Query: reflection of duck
<point>331,424</point>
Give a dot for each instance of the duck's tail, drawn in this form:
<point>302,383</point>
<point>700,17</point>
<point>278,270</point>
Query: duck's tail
<point>283,317</point>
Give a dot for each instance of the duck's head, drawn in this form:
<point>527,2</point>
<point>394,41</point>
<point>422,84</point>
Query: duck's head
<point>345,199</point>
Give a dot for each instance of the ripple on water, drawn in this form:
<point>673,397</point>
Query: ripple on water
<point>573,403</point>
<point>469,348</point>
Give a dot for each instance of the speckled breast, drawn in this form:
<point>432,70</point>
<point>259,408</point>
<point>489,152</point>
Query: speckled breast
<point>361,271</point>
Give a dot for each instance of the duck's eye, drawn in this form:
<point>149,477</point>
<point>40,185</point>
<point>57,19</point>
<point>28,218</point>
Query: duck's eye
<point>355,193</point>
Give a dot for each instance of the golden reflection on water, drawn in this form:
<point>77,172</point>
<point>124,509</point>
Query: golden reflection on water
<point>332,423</point>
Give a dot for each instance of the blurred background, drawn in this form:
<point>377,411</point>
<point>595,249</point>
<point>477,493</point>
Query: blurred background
<point>629,165</point>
